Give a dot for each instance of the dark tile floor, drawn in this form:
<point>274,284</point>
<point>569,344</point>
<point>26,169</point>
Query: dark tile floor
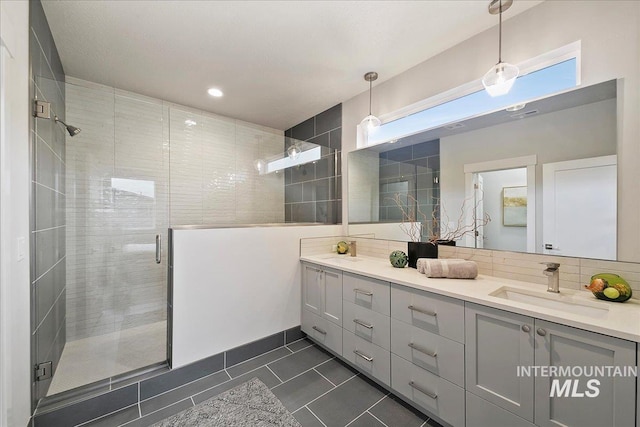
<point>317,388</point>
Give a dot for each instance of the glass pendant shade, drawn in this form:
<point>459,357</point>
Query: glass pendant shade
<point>293,151</point>
<point>370,122</point>
<point>500,78</point>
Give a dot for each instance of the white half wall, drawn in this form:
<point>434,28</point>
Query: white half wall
<point>232,286</point>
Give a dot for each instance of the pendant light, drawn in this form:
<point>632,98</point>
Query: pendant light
<point>370,122</point>
<point>501,77</point>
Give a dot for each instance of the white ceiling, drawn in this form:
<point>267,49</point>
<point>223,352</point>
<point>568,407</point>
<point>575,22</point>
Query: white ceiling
<point>278,62</point>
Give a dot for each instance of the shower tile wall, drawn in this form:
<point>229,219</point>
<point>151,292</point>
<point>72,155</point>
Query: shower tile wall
<point>313,191</point>
<point>413,171</point>
<point>213,178</point>
<point>48,226</point>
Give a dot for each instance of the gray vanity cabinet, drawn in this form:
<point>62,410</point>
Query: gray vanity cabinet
<point>367,326</point>
<point>322,306</point>
<point>497,342</point>
<point>322,292</point>
<point>614,405</point>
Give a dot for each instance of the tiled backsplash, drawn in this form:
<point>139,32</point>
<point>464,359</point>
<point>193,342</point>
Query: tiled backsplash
<point>318,245</point>
<point>574,272</point>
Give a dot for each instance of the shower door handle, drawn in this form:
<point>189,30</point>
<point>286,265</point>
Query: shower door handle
<point>158,248</point>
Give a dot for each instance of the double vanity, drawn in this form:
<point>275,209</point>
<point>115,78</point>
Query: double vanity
<point>476,352</point>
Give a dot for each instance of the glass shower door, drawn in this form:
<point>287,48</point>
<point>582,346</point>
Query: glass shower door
<point>117,176</point>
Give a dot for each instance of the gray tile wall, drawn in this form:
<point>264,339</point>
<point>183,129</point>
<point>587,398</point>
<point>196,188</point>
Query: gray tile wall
<point>48,225</point>
<point>313,191</point>
<point>414,171</point>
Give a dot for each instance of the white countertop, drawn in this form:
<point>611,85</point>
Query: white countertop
<point>622,320</point>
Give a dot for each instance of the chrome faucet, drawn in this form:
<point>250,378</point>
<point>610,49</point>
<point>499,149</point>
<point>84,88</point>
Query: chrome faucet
<point>352,248</point>
<point>553,274</point>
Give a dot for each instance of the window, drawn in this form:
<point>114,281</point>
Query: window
<point>537,84</point>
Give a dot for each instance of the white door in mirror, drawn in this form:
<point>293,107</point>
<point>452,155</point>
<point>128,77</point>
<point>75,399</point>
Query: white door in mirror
<point>580,195</point>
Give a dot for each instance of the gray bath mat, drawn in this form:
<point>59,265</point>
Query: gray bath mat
<point>247,405</point>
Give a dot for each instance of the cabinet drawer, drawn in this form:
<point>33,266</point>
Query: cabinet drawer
<point>365,292</point>
<point>433,394</point>
<point>442,356</point>
<point>481,413</point>
<point>367,357</point>
<point>434,313</point>
<point>322,331</point>
<point>367,324</point>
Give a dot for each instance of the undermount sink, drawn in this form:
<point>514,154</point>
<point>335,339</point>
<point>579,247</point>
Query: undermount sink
<point>566,303</point>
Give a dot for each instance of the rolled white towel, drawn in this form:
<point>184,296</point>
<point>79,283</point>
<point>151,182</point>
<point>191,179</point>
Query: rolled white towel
<point>449,268</point>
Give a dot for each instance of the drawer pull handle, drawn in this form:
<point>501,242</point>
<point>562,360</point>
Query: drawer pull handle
<point>364,356</point>
<point>419,310</point>
<point>360,291</point>
<point>423,391</point>
<point>423,350</point>
<point>320,330</point>
<point>361,323</point>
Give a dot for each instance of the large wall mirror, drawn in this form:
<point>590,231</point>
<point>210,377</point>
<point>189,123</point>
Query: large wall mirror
<point>544,172</point>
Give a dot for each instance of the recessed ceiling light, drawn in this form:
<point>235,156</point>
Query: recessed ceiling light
<point>190,122</point>
<point>215,92</point>
<point>515,107</point>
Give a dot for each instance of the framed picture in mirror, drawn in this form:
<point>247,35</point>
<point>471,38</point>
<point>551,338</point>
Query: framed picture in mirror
<point>514,206</point>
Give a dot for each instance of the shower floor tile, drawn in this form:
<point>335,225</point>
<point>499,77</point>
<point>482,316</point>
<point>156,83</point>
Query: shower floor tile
<point>96,358</point>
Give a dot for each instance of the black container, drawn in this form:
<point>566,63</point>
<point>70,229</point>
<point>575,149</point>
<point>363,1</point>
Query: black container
<point>421,250</point>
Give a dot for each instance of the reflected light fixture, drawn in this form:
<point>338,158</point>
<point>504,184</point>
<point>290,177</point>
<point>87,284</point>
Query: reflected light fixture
<point>260,165</point>
<point>370,122</point>
<point>501,77</point>
<point>293,151</point>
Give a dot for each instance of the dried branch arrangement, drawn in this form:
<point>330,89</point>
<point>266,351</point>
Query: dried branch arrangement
<point>416,224</point>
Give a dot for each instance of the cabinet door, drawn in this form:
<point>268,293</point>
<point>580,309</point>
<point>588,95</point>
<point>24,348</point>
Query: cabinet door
<point>332,295</point>
<point>614,405</point>
<point>497,342</point>
<point>311,289</point>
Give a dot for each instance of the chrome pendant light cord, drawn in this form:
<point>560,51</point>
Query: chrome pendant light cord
<point>370,88</point>
<point>500,35</point>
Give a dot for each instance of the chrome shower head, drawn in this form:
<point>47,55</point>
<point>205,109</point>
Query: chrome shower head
<point>73,131</point>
